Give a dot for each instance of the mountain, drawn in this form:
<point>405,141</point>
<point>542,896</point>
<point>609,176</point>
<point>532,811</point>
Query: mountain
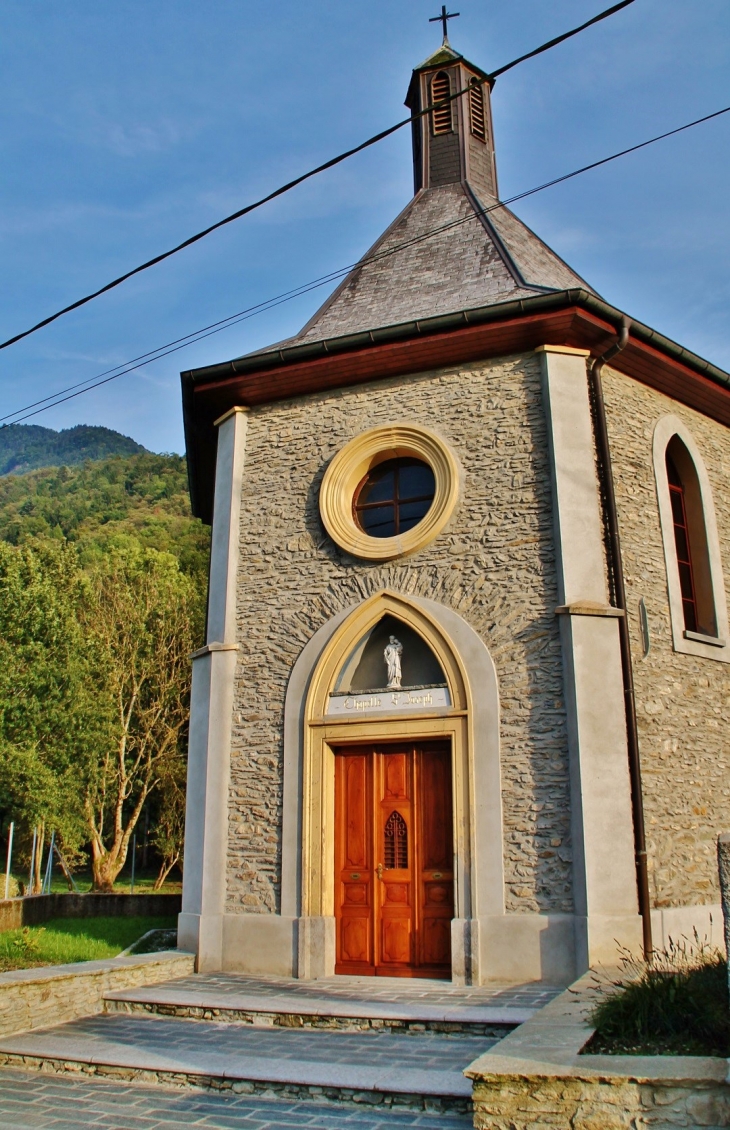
<point>25,447</point>
<point>141,496</point>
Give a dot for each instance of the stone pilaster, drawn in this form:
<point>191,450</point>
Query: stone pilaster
<point>200,926</point>
<point>604,877</point>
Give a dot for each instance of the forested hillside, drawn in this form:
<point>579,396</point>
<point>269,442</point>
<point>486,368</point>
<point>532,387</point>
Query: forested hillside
<point>24,447</point>
<point>144,497</point>
<point>102,598</point>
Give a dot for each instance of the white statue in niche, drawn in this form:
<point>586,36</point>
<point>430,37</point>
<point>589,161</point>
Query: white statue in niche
<point>392,654</point>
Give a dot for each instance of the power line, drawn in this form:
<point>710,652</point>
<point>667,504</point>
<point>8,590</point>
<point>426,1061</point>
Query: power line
<point>225,323</point>
<point>560,39</point>
<point>306,176</point>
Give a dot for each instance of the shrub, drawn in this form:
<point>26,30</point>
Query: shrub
<point>13,887</point>
<point>677,1005</point>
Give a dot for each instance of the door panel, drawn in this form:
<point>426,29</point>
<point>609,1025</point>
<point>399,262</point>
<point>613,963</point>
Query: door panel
<point>356,828</point>
<point>435,807</point>
<point>436,941</point>
<point>394,836</point>
<point>355,940</point>
<point>396,947</point>
<point>354,876</point>
<point>395,785</point>
<point>436,839</point>
<point>394,860</point>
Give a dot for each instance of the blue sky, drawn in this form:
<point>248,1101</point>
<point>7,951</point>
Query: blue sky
<point>127,127</point>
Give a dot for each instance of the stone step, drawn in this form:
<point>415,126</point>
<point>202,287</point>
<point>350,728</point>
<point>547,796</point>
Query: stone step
<point>370,1068</point>
<point>347,1005</point>
<point>324,1014</point>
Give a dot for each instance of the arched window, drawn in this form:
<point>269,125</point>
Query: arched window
<point>695,583</point>
<point>690,541</point>
<point>441,118</point>
<point>476,112</point>
<point>395,848</point>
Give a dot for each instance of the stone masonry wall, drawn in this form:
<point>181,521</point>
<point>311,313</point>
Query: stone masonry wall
<point>58,994</point>
<point>494,565</point>
<point>683,701</point>
<point>510,1102</point>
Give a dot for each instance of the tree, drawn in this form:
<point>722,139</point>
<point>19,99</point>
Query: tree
<point>141,617</point>
<point>94,688</point>
<point>169,832</point>
<point>49,719</point>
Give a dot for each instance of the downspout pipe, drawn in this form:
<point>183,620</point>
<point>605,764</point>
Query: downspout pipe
<point>619,593</point>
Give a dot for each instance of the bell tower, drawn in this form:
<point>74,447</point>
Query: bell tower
<point>454,143</point>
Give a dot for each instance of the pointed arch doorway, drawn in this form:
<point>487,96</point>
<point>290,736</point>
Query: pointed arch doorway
<point>321,725</point>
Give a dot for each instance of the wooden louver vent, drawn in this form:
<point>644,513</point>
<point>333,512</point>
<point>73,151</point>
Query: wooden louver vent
<point>396,842</point>
<point>441,117</point>
<point>476,112</point>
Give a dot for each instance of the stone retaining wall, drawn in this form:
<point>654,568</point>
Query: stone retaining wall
<point>537,1077</point>
<point>511,1102</point>
<point>55,994</point>
<point>32,911</point>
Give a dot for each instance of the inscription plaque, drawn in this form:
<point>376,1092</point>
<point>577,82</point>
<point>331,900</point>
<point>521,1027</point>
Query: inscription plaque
<point>389,701</point>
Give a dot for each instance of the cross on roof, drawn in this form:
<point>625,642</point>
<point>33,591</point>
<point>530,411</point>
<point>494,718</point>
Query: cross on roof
<point>444,18</point>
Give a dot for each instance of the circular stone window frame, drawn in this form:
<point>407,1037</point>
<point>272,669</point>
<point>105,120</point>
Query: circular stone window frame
<point>361,455</point>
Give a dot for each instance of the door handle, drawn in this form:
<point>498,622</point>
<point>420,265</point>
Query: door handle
<point>379,870</point>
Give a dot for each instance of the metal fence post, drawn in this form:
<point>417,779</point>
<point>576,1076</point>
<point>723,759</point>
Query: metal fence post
<point>10,857</point>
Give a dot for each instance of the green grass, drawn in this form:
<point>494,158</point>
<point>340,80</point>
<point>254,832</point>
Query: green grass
<point>63,940</point>
<point>677,1006</point>
<point>143,884</point>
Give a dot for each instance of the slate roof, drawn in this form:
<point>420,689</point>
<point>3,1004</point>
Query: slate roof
<point>410,273</point>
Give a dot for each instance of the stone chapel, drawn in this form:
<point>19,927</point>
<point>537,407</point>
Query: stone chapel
<point>463,707</point>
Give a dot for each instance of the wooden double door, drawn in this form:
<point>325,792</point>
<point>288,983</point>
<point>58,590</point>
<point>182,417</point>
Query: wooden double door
<point>394,878</point>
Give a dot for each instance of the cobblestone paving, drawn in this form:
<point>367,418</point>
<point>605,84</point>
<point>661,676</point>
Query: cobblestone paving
<point>29,1101</point>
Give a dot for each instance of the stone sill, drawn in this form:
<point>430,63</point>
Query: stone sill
<point>40,974</point>
<point>700,637</point>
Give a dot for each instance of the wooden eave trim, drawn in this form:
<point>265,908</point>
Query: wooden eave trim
<point>655,369</point>
<point>413,355</point>
<point>571,325</point>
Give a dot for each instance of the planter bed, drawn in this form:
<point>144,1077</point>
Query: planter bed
<point>537,1076</point>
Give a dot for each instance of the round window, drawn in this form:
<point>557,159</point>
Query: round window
<point>389,491</point>
<point>394,497</point>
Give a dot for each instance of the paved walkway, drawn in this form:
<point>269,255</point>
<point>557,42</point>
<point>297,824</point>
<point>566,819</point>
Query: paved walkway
<point>30,1100</point>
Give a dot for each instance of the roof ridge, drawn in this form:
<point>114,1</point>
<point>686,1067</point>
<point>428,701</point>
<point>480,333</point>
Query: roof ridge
<point>483,215</point>
<point>504,210</point>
